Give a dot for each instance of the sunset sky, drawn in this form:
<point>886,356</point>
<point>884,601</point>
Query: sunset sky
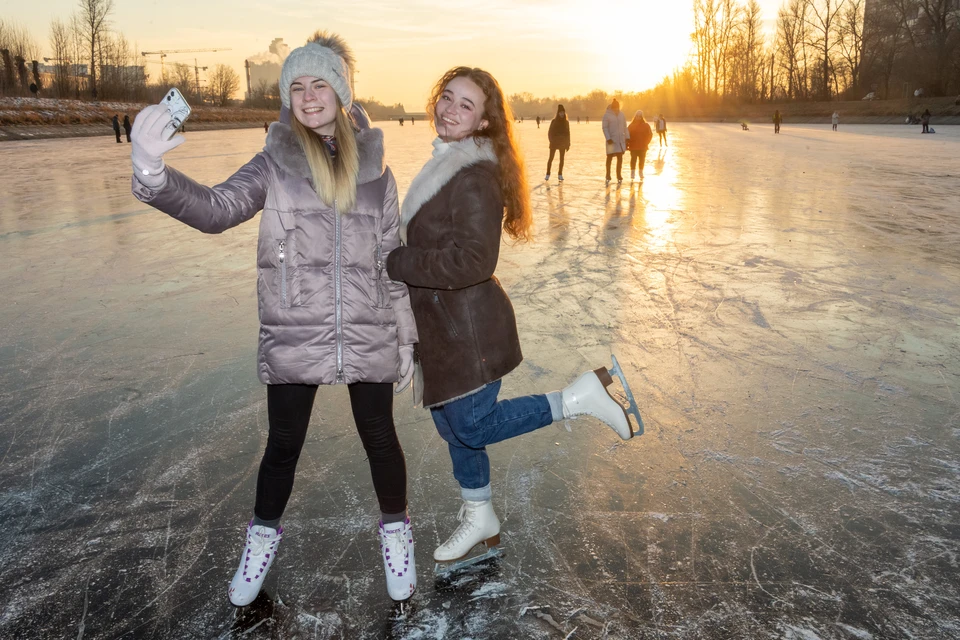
<point>547,48</point>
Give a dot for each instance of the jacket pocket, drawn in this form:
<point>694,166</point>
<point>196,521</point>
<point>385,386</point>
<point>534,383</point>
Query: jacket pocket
<point>447,318</point>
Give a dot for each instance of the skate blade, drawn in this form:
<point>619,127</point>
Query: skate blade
<point>631,409</point>
<point>446,568</point>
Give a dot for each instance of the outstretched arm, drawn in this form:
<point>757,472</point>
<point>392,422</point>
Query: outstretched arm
<point>209,209</point>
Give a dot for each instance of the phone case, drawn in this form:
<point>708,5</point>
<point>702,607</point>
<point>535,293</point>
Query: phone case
<point>179,110</point>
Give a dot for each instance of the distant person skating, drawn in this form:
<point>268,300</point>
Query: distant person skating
<point>127,126</point>
<point>559,137</point>
<point>411,121</point>
<point>777,119</point>
<point>616,134</point>
<point>638,142</point>
<point>401,122</point>
<point>116,128</point>
<point>578,119</point>
<point>662,130</point>
<point>835,119</point>
<point>330,219</point>
<point>266,127</point>
<point>538,122</point>
<point>924,120</point>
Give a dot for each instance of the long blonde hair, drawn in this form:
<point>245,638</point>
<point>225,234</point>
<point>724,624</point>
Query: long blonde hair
<point>334,180</point>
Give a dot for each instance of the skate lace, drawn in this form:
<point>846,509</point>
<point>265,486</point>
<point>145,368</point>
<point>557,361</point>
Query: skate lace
<point>465,526</point>
<point>394,540</point>
<point>258,545</point>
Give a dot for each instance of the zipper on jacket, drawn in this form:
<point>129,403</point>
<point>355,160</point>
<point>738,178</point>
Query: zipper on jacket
<point>446,316</point>
<point>283,276</point>
<point>338,291</point>
<point>379,262</point>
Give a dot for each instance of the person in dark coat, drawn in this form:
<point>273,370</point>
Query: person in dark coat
<point>777,119</point>
<point>472,190</point>
<point>638,143</point>
<point>116,127</point>
<point>127,126</point>
<point>559,137</point>
<point>925,121</point>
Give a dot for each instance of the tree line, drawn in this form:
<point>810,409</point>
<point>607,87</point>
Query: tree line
<point>819,50</point>
<point>91,61</point>
<point>825,50</point>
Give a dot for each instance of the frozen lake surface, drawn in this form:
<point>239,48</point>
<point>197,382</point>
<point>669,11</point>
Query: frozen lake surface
<point>787,308</point>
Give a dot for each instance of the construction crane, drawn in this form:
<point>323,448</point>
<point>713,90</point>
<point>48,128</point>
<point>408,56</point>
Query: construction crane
<point>165,52</point>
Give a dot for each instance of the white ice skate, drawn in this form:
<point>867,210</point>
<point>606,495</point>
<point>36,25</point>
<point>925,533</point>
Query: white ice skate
<point>560,177</point>
<point>589,396</point>
<point>547,177</point>
<point>258,554</point>
<point>478,523</point>
<point>396,547</point>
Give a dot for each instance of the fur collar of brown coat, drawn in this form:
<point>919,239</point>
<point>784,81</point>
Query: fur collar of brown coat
<point>284,148</point>
<point>449,158</point>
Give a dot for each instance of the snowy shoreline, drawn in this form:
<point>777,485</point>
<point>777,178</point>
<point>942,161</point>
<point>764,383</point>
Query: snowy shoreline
<point>45,132</point>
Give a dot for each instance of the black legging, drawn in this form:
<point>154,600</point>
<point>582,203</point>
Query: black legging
<point>635,156</point>
<point>553,150</point>
<point>288,410</point>
<point>619,164</point>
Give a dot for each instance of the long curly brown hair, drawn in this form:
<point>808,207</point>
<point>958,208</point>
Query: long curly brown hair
<point>518,220</point>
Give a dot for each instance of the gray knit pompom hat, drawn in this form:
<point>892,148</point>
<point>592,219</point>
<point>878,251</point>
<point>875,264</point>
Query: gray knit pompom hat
<point>315,60</point>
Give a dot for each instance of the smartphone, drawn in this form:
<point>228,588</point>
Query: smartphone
<point>179,109</point>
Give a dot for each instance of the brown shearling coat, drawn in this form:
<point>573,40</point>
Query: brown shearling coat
<point>465,321</point>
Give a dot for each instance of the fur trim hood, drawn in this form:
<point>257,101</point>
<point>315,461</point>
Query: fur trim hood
<point>284,149</point>
<point>449,158</point>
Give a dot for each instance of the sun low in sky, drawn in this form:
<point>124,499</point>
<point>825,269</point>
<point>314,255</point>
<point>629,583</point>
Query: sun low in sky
<point>547,48</point>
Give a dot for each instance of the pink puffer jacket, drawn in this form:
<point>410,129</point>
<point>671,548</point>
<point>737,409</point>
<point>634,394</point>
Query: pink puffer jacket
<point>328,312</point>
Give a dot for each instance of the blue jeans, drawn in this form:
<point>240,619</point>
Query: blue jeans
<point>470,424</point>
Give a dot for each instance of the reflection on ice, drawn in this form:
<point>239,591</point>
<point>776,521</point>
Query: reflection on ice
<point>785,308</point>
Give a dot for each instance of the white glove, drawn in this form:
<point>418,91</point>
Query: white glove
<point>406,367</point>
<point>148,140</point>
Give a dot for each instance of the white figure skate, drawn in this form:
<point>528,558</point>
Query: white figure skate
<point>478,524</point>
<point>399,565</point>
<point>589,396</point>
<point>258,554</point>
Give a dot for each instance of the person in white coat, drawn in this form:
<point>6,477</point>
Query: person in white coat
<point>835,119</point>
<point>616,134</point>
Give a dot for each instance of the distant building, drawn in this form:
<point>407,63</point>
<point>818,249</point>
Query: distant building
<point>264,68</point>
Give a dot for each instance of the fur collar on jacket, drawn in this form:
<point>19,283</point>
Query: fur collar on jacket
<point>284,148</point>
<point>449,158</point>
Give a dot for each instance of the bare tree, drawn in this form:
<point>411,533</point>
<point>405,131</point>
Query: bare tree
<point>704,26</point>
<point>224,82</point>
<point>60,47</point>
<point>822,20</point>
<point>935,35</point>
<point>750,58</point>
<point>182,78</point>
<point>850,30</point>
<point>94,15</point>
<point>791,34</point>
